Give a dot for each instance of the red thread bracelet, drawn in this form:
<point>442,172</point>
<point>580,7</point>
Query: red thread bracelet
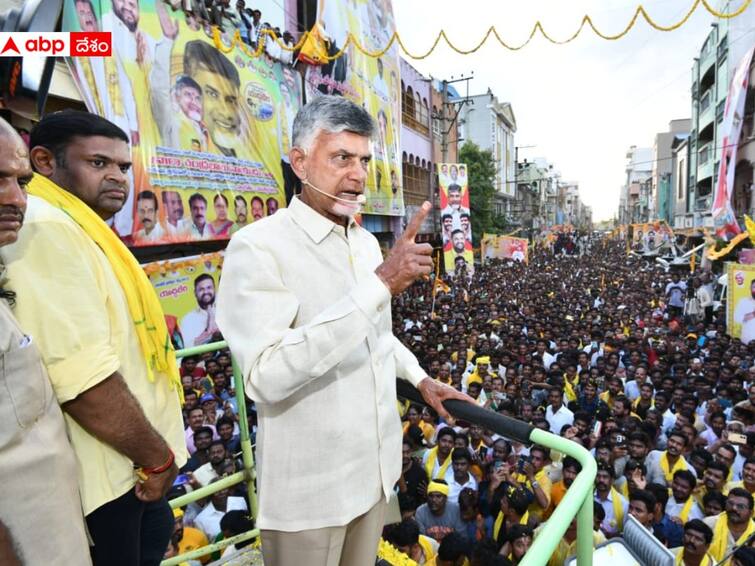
<point>164,467</point>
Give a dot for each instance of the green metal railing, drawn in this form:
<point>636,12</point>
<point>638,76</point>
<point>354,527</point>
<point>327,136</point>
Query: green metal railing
<point>578,500</point>
<point>246,475</point>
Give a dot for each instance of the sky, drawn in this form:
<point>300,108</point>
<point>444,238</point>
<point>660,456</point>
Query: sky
<point>583,104</point>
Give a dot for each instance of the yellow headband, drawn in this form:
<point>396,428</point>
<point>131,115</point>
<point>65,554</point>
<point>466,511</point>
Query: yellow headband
<point>483,360</point>
<point>178,512</point>
<point>435,487</point>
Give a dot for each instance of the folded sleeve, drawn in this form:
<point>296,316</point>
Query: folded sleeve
<point>61,301</point>
<point>256,314</point>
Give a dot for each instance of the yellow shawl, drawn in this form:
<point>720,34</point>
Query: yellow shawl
<point>706,561</point>
<point>681,464</point>
<point>721,537</point>
<point>149,321</point>
<point>432,456</point>
<point>499,523</point>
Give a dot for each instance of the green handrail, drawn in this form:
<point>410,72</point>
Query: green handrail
<point>247,474</point>
<point>578,500</point>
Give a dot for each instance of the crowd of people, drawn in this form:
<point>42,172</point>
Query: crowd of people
<point>248,22</point>
<point>598,349</point>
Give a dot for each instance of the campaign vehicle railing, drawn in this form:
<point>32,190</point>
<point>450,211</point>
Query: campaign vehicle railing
<point>578,500</point>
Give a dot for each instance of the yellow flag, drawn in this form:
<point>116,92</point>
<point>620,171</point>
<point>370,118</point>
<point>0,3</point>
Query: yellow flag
<point>692,263</point>
<point>750,226</point>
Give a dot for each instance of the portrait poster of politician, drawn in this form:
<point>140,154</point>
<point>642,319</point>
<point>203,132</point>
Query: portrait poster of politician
<point>186,288</point>
<point>209,126</point>
<point>455,220</point>
<point>740,320</point>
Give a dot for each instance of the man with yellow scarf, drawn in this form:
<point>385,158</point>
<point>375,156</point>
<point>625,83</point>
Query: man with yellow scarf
<point>662,465</point>
<point>99,328</point>
<point>696,541</point>
<point>732,527</point>
<point>614,504</point>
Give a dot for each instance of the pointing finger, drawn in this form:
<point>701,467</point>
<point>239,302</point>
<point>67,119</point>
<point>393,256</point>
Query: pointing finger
<point>412,229</point>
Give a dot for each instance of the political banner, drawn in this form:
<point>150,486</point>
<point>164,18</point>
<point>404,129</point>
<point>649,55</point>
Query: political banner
<point>740,319</point>
<point>372,82</point>
<point>651,235</point>
<point>722,211</point>
<point>209,126</point>
<point>504,247</point>
<point>186,288</point>
<point>455,219</point>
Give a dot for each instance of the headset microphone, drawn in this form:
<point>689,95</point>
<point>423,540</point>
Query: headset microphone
<point>361,199</point>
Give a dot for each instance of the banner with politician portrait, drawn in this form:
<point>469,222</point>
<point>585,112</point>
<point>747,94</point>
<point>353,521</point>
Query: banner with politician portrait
<point>186,288</point>
<point>455,219</point>
<point>209,126</point>
<point>372,82</point>
<point>504,247</point>
<point>740,319</point>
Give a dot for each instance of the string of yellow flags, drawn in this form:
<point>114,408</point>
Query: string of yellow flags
<point>311,41</point>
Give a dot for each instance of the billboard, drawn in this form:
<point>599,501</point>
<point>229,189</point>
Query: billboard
<point>373,82</point>
<point>740,310</point>
<point>209,126</point>
<point>504,247</point>
<point>186,288</point>
<point>455,218</point>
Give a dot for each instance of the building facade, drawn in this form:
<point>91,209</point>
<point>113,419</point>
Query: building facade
<point>662,197</point>
<point>491,125</point>
<point>635,197</point>
<point>724,47</point>
<point>417,163</point>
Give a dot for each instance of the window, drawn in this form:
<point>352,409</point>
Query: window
<point>436,123</point>
<point>704,155</point>
<point>412,111</point>
<point>705,100</point>
<point>720,111</point>
<point>416,181</point>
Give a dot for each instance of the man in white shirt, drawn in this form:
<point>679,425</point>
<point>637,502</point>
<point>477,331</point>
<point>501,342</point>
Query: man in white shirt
<point>557,414</point>
<point>146,210</point>
<point>461,477</point>
<point>198,326</point>
<point>681,503</point>
<point>208,521</point>
<point>744,314</point>
<point>309,323</point>
<point>614,504</point>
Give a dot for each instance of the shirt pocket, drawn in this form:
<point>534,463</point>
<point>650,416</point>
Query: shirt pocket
<point>24,386</point>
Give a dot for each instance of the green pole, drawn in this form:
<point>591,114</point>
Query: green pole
<point>247,455</point>
<point>576,502</point>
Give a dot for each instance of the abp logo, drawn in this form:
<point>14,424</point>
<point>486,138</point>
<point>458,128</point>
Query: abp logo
<point>55,44</point>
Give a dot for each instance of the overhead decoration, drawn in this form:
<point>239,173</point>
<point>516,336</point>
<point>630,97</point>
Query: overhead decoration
<point>318,54</point>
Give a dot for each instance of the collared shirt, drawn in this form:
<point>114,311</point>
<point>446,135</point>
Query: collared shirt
<point>454,487</point>
<point>673,509</point>
<point>653,466</point>
<point>193,324</point>
<point>610,525</point>
<point>309,323</point>
<point>563,416</point>
<point>77,312</point>
<point>208,521</point>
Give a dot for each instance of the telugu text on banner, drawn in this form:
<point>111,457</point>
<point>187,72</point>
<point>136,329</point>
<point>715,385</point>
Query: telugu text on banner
<point>209,131</point>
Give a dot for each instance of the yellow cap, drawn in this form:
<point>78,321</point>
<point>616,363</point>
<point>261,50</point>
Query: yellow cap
<point>178,512</point>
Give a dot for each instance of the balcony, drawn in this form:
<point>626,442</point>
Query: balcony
<point>705,170</point>
<point>707,109</point>
<point>707,56</point>
<point>703,203</point>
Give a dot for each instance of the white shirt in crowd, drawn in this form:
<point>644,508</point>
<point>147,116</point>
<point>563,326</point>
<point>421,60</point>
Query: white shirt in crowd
<point>454,487</point>
<point>208,521</point>
<point>558,419</point>
<point>309,323</point>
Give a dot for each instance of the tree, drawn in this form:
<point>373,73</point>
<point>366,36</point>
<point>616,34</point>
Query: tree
<point>481,175</point>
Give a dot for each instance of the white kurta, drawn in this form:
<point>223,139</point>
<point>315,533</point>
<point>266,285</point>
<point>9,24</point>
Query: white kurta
<point>309,323</point>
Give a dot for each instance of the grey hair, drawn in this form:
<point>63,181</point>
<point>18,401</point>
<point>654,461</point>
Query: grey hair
<point>331,114</point>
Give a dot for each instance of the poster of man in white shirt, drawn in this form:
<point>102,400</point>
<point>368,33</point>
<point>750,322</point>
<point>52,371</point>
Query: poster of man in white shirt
<point>741,319</point>
<point>199,326</point>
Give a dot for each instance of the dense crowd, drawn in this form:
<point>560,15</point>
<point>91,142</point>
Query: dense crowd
<point>204,14</point>
<point>600,350</point>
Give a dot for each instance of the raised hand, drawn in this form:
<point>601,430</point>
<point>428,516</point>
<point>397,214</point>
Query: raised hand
<point>407,260</point>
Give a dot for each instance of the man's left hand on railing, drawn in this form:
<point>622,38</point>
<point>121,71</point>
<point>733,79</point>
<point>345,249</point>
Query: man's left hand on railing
<point>434,393</point>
